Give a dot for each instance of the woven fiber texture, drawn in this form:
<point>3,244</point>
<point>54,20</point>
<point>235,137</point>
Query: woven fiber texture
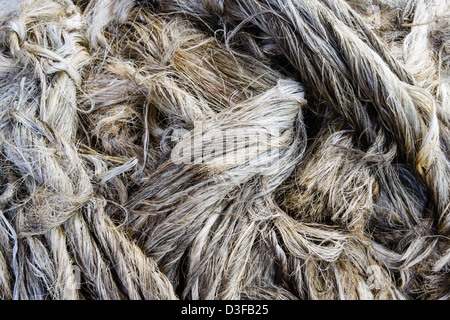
<point>224,149</point>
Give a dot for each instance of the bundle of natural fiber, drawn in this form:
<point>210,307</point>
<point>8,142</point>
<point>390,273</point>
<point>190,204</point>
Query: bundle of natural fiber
<point>224,149</point>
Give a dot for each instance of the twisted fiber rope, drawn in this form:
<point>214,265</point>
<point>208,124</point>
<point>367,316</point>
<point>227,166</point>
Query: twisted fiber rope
<point>333,182</point>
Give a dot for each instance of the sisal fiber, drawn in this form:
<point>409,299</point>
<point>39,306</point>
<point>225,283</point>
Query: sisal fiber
<point>225,149</point>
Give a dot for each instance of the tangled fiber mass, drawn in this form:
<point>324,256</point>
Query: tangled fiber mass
<point>224,149</point>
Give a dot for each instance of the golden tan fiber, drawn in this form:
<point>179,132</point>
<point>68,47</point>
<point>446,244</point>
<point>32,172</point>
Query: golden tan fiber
<point>257,149</point>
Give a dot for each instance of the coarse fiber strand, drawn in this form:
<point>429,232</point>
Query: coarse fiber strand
<point>225,149</point>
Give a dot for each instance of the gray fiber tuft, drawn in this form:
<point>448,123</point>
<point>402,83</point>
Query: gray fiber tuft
<point>224,149</point>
